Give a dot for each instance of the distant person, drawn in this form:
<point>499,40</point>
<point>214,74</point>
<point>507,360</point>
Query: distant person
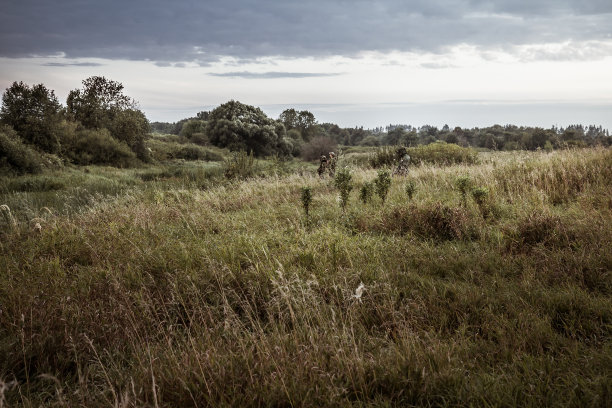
<point>403,160</point>
<point>332,163</point>
<point>322,166</point>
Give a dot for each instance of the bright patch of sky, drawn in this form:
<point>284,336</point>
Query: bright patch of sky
<point>362,63</point>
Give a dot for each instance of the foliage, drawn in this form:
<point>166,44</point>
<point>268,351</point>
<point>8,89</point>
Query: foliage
<point>366,191</point>
<point>99,147</point>
<point>306,199</point>
<point>160,286</point>
<point>464,184</point>
<point>34,113</point>
<point>240,165</point>
<point>101,104</point>
<point>96,105</point>
<point>303,121</point>
<point>343,182</point>
<point>382,157</point>
<point>383,183</point>
<point>17,157</point>
<point>441,153</point>
<point>410,189</point>
<point>192,128</point>
<point>318,146</point>
<point>241,127</point>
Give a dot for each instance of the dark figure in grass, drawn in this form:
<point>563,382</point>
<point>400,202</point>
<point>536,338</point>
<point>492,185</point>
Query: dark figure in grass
<point>322,166</point>
<point>332,164</point>
<point>403,160</point>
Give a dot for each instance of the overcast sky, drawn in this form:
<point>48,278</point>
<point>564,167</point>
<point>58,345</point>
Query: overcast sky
<point>370,63</point>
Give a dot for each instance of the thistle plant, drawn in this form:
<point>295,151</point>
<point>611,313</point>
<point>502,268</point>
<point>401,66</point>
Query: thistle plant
<point>365,194</point>
<point>464,183</point>
<point>383,183</point>
<point>306,200</point>
<point>410,189</point>
<point>480,195</point>
<point>344,184</point>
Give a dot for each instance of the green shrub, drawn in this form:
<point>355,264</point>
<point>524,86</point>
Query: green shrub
<point>240,165</point>
<point>463,184</point>
<point>17,157</point>
<point>410,189</point>
<point>99,147</point>
<point>343,182</point>
<point>385,156</point>
<point>383,183</point>
<point>306,200</point>
<point>365,194</point>
<point>442,153</point>
<point>437,221</point>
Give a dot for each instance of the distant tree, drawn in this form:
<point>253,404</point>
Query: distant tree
<point>244,127</point>
<point>34,113</point>
<point>394,136</point>
<point>101,104</point>
<point>191,127</point>
<point>318,146</point>
<point>304,121</point>
<point>131,127</point>
<point>370,141</point>
<point>97,104</point>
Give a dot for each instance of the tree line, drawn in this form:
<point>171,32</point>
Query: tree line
<point>99,124</point>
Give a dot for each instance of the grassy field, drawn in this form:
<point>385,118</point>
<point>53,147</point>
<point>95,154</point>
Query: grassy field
<point>172,286</point>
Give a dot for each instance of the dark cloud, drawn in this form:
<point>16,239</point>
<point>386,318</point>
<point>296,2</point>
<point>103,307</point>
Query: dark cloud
<point>72,64</point>
<point>272,75</point>
<point>202,31</point>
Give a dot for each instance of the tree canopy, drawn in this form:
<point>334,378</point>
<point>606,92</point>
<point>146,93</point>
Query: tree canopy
<point>34,113</point>
<point>244,127</point>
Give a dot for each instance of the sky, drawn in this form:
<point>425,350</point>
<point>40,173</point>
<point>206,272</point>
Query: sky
<point>356,63</point>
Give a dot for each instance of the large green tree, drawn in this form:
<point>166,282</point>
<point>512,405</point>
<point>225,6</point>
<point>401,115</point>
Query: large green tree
<point>34,113</point>
<point>97,104</point>
<point>304,121</point>
<point>101,104</point>
<point>244,127</point>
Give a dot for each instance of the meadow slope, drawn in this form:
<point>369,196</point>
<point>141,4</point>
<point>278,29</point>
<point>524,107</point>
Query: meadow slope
<point>154,288</point>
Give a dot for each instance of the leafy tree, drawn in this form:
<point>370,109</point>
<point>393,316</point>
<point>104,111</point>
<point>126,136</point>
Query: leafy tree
<point>131,126</point>
<point>34,113</point>
<point>101,104</point>
<point>304,121</point>
<point>15,156</point>
<point>244,127</point>
<point>320,145</point>
<point>96,105</point>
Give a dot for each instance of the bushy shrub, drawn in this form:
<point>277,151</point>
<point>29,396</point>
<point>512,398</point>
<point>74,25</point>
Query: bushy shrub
<point>437,221</point>
<point>410,189</point>
<point>318,146</point>
<point>99,147</point>
<point>538,228</point>
<point>385,156</point>
<point>240,165</point>
<point>442,153</point>
<point>343,182</point>
<point>365,193</point>
<point>383,183</point>
<point>15,156</point>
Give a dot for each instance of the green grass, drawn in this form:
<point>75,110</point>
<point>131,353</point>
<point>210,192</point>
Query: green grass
<point>171,286</point>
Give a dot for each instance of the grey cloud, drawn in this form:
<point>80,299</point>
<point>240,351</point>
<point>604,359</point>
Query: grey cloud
<point>436,65</point>
<point>72,64</point>
<point>203,31</point>
<point>272,75</point>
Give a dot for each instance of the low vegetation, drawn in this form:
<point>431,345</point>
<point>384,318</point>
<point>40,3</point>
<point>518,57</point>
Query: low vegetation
<point>172,284</point>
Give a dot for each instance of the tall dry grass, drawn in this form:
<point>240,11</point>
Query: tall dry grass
<point>180,296</point>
